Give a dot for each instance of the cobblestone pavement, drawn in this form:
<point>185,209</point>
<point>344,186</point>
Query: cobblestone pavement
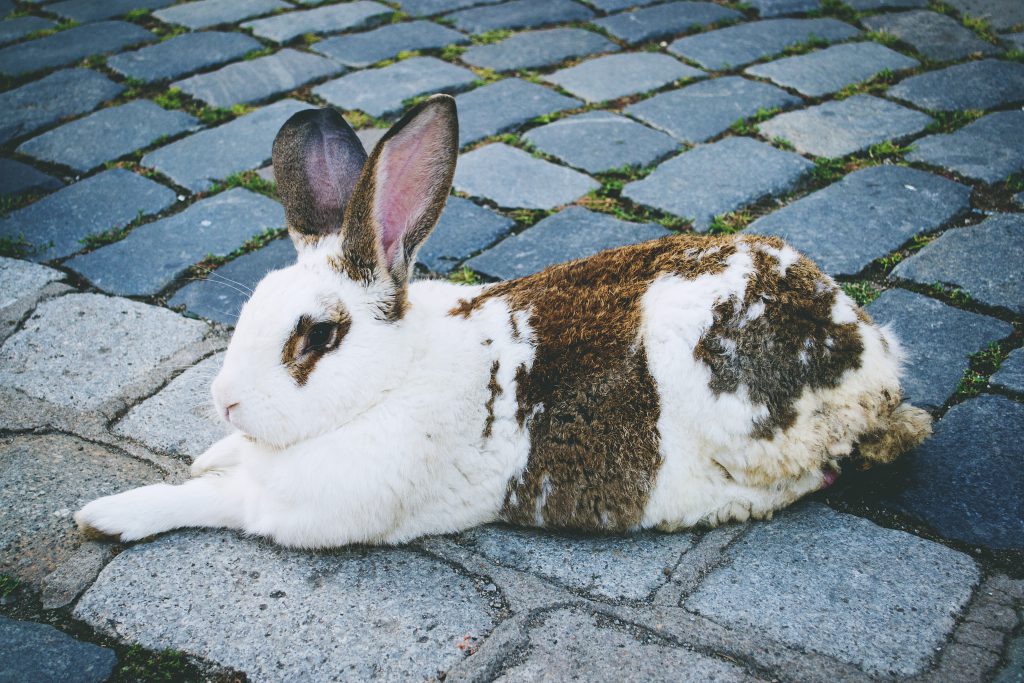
<point>884,138</point>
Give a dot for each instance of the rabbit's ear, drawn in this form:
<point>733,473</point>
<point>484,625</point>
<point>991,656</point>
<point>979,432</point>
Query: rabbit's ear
<point>401,193</point>
<point>317,162</point>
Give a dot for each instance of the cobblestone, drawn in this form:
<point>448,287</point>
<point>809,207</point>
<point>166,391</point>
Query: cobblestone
<point>990,149</point>
<point>880,599</point>
<point>703,110</point>
<point>154,255</point>
<point>1000,14</point>
<point>206,13</point>
<point>463,230</point>
<point>518,14</point>
<point>741,172</point>
<point>17,178</point>
<point>866,215</point>
<point>538,49</point>
<point>842,127</point>
<point>380,92</point>
<point>500,106</point>
<point>55,226</point>
<point>510,177</point>
<point>974,499</point>
<point>984,260</point>
<point>84,11</point>
<point>1010,376</point>
<point>220,296</point>
<point>330,19</point>
<point>13,29</point>
<point>984,84</point>
<point>82,350</point>
<point>735,46</point>
<point>363,49</point>
<point>258,79</point>
<point>239,145</point>
<point>70,46</point>
<point>107,134</point>
<point>21,284</point>
<point>598,141</point>
<point>423,8</point>
<point>937,339</point>
<point>665,20</point>
<point>50,99</point>
<point>936,36</point>
<point>182,55</point>
<point>42,654</point>
<point>572,233</point>
<point>614,76</point>
<point>774,8</point>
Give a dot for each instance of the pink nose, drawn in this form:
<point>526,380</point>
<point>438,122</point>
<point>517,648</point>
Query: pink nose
<point>227,411</point>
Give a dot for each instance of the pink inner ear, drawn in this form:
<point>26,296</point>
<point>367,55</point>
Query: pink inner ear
<point>406,172</point>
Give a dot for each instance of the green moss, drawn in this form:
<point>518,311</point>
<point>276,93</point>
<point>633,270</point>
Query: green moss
<point>116,234</point>
<point>137,14</point>
<point>812,43</point>
<point>949,121</point>
<point>981,27</point>
<point>138,665</point>
<point>489,37</point>
<point>983,365</point>
<point>452,52</point>
<point>171,99</point>
<point>8,584</point>
<point>862,291</point>
<point>730,223</point>
<point>748,126</point>
<point>250,180</point>
<point>883,37</point>
<point>464,276</point>
<point>256,54</point>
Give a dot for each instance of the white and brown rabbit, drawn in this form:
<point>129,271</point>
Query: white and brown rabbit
<point>688,380</point>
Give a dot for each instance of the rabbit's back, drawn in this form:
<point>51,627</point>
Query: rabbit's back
<point>685,380</point>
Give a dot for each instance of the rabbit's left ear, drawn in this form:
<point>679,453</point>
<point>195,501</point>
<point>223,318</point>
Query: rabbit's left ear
<point>317,162</point>
<point>401,193</point>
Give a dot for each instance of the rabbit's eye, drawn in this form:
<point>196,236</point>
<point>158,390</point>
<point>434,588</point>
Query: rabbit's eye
<point>320,336</point>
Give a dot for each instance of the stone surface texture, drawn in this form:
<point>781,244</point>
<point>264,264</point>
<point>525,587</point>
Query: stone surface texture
<point>665,20</point>
<point>330,19</point>
<point>464,229</point>
<point>363,49</point>
<point>17,178</point>
<point>533,49</point>
<point>500,106</point>
<point>989,149</point>
<point>597,142</point>
<point>984,84</point>
<point>71,45</point>
<point>614,76</point>
<point>42,654</point>
<point>510,177</point>
<point>182,55</point>
<point>936,36</point>
<point>206,13</point>
<point>826,71</point>
<point>518,14</point>
<point>50,99</point>
<point>1010,375</point>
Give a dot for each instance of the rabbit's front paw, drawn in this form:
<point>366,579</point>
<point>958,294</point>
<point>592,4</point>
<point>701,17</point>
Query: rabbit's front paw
<point>224,453</point>
<point>126,516</point>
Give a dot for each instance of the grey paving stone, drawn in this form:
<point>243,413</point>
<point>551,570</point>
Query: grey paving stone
<point>1018,199</point>
<point>13,29</point>
<point>152,256</point>
<point>48,100</point>
<point>703,110</point>
<point>518,14</point>
<point>866,215</point>
<point>422,8</point>
<point>841,127</point>
<point>988,149</point>
<point>984,260</point>
<point>934,35</point>
<point>569,645</point>
<point>385,613</point>
<point>61,586</point>
<point>505,104</point>
<point>363,49</point>
<point>1013,41</point>
<point>23,279</point>
<point>735,46</point>
<point>84,11</point>
<point>81,350</point>
<point>206,13</point>
<point>624,567</point>
<point>1000,14</point>
<point>381,91</point>
<point>258,79</point>
<point>825,71</point>
<point>1010,375</point>
<point>984,84</point>
<point>510,177</point>
<point>463,230</point>
<point>17,178</point>
<point>331,19</point>
<point>599,141</point>
<point>70,46</point>
<point>6,7</point>
<point>617,5</point>
<point>44,480</point>
<point>370,137</point>
<point>880,599</point>
<point>869,5</point>
<point>775,8</point>
<point>975,499</point>
<point>56,224</point>
<point>42,654</point>
<point>572,233</point>
<point>239,145</point>
<point>221,295</point>
<point>614,76</point>
<point>181,419</point>
<point>108,134</point>
<point>937,339</point>
<point>536,49</point>
<point>182,55</point>
<point>714,179</point>
<point>665,20</point>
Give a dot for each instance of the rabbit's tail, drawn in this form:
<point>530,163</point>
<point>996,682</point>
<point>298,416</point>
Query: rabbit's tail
<point>905,428</point>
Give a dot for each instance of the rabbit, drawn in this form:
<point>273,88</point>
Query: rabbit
<point>690,380</point>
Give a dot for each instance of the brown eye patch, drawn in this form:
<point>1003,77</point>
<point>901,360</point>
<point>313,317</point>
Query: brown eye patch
<point>311,340</point>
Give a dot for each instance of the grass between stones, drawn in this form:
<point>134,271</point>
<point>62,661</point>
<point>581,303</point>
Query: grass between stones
<point>174,98</point>
<point>828,170</point>
<point>115,234</point>
<point>862,291</point>
<point>464,276</point>
<point>211,261</point>
<point>983,365</point>
<point>748,126</point>
<point>8,584</point>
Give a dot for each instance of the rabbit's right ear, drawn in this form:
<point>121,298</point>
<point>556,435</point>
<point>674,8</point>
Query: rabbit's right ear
<point>317,161</point>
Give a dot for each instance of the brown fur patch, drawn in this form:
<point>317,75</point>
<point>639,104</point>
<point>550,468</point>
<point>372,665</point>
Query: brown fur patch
<point>594,451</point>
<point>496,391</point>
<point>296,354</point>
<point>792,345</point>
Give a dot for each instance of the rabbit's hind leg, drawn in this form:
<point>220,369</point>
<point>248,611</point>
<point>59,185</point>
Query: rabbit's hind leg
<point>214,500</point>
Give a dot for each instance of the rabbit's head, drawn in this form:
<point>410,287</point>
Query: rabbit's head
<point>322,340</point>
